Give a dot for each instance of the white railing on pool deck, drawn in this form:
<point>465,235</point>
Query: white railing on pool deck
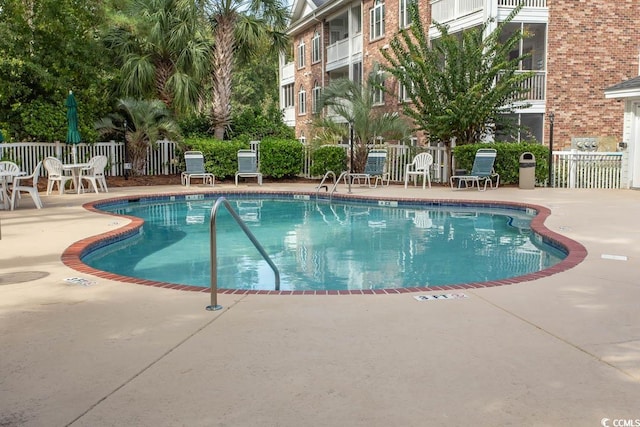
<point>161,161</point>
<point>398,155</point>
<point>579,169</point>
<point>571,169</point>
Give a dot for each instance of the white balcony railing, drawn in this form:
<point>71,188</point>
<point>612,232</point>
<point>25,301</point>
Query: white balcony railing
<point>534,87</point>
<point>338,51</point>
<point>289,116</point>
<point>448,10</point>
<point>527,3</point>
<point>356,44</point>
<point>288,73</point>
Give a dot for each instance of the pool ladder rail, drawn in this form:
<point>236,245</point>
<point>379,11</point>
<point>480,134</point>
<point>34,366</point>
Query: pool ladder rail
<point>214,250</point>
<point>336,181</point>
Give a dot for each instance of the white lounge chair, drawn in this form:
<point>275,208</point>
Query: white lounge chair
<point>32,189</point>
<point>481,173</point>
<point>376,167</point>
<point>248,165</point>
<point>55,174</point>
<point>194,161</point>
<point>419,167</point>
<point>95,173</point>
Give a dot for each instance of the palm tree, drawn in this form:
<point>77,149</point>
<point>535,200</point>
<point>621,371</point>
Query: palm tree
<point>143,123</point>
<point>164,47</point>
<point>355,104</point>
<point>240,29</point>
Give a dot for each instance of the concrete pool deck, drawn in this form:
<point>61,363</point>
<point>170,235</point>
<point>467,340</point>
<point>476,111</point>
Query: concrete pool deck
<point>560,350</point>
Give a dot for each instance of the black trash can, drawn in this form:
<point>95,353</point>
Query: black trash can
<point>527,171</point>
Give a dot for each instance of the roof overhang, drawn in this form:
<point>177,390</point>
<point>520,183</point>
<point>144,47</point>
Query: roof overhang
<point>313,15</point>
<point>627,89</point>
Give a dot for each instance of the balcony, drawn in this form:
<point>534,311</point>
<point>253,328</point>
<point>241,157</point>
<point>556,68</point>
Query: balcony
<point>287,73</point>
<point>533,88</point>
<point>449,10</point>
<point>289,116</point>
<point>343,52</point>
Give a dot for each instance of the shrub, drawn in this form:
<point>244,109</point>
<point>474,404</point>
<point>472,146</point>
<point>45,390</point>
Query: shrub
<point>328,158</point>
<point>221,157</point>
<point>281,158</point>
<point>507,160</point>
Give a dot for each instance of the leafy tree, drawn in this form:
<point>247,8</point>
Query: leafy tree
<point>48,47</point>
<point>461,86</point>
<point>143,122</point>
<point>164,49</point>
<point>355,104</point>
<point>240,28</point>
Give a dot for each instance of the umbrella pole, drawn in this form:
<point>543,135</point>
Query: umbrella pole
<point>74,153</point>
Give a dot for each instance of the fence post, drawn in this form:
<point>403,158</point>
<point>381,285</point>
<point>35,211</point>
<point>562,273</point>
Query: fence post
<point>573,166</point>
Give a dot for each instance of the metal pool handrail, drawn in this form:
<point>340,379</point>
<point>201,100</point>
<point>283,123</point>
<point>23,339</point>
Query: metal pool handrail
<point>214,252</point>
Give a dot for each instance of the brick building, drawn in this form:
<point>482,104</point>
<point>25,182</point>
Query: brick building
<point>578,48</point>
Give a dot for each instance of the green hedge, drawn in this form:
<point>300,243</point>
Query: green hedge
<point>507,160</point>
<point>328,158</point>
<point>281,158</point>
<point>221,157</point>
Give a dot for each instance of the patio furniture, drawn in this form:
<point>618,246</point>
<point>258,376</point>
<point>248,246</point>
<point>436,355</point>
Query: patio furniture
<point>8,172</point>
<point>248,165</point>
<point>419,167</point>
<point>194,161</point>
<point>374,168</point>
<point>32,189</point>
<point>56,174</point>
<point>94,173</point>
<point>481,172</point>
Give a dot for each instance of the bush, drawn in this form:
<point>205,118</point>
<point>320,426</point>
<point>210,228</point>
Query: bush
<point>281,158</point>
<point>508,159</point>
<point>221,157</point>
<point>328,158</point>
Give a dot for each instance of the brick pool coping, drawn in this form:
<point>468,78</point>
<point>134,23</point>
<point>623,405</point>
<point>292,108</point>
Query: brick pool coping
<point>71,257</point>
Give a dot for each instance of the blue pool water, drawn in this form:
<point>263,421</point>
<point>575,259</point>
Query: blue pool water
<point>325,246</point>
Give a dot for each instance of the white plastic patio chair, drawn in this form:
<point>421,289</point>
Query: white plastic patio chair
<point>32,189</point>
<point>419,167</point>
<point>95,173</point>
<point>248,165</point>
<point>194,161</point>
<point>55,174</point>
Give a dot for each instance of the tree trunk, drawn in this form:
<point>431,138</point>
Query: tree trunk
<point>222,74</point>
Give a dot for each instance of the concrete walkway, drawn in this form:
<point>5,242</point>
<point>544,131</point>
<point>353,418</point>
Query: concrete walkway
<point>559,351</point>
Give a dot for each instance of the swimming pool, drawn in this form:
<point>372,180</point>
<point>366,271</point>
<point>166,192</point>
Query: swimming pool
<point>363,245</point>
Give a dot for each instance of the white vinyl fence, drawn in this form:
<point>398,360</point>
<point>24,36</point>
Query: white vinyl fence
<point>161,161</point>
<point>579,169</point>
<point>572,169</point>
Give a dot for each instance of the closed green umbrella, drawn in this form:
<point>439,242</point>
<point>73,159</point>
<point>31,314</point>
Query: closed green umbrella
<point>73,135</point>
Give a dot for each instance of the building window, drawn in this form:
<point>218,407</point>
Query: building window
<point>378,96</point>
<point>404,19</point>
<point>315,98</point>
<point>404,94</point>
<point>356,70</point>
<point>315,48</point>
<point>376,21</point>
<point>287,96</point>
<point>302,101</point>
<point>301,53</point>
<point>302,138</point>
<point>404,91</point>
